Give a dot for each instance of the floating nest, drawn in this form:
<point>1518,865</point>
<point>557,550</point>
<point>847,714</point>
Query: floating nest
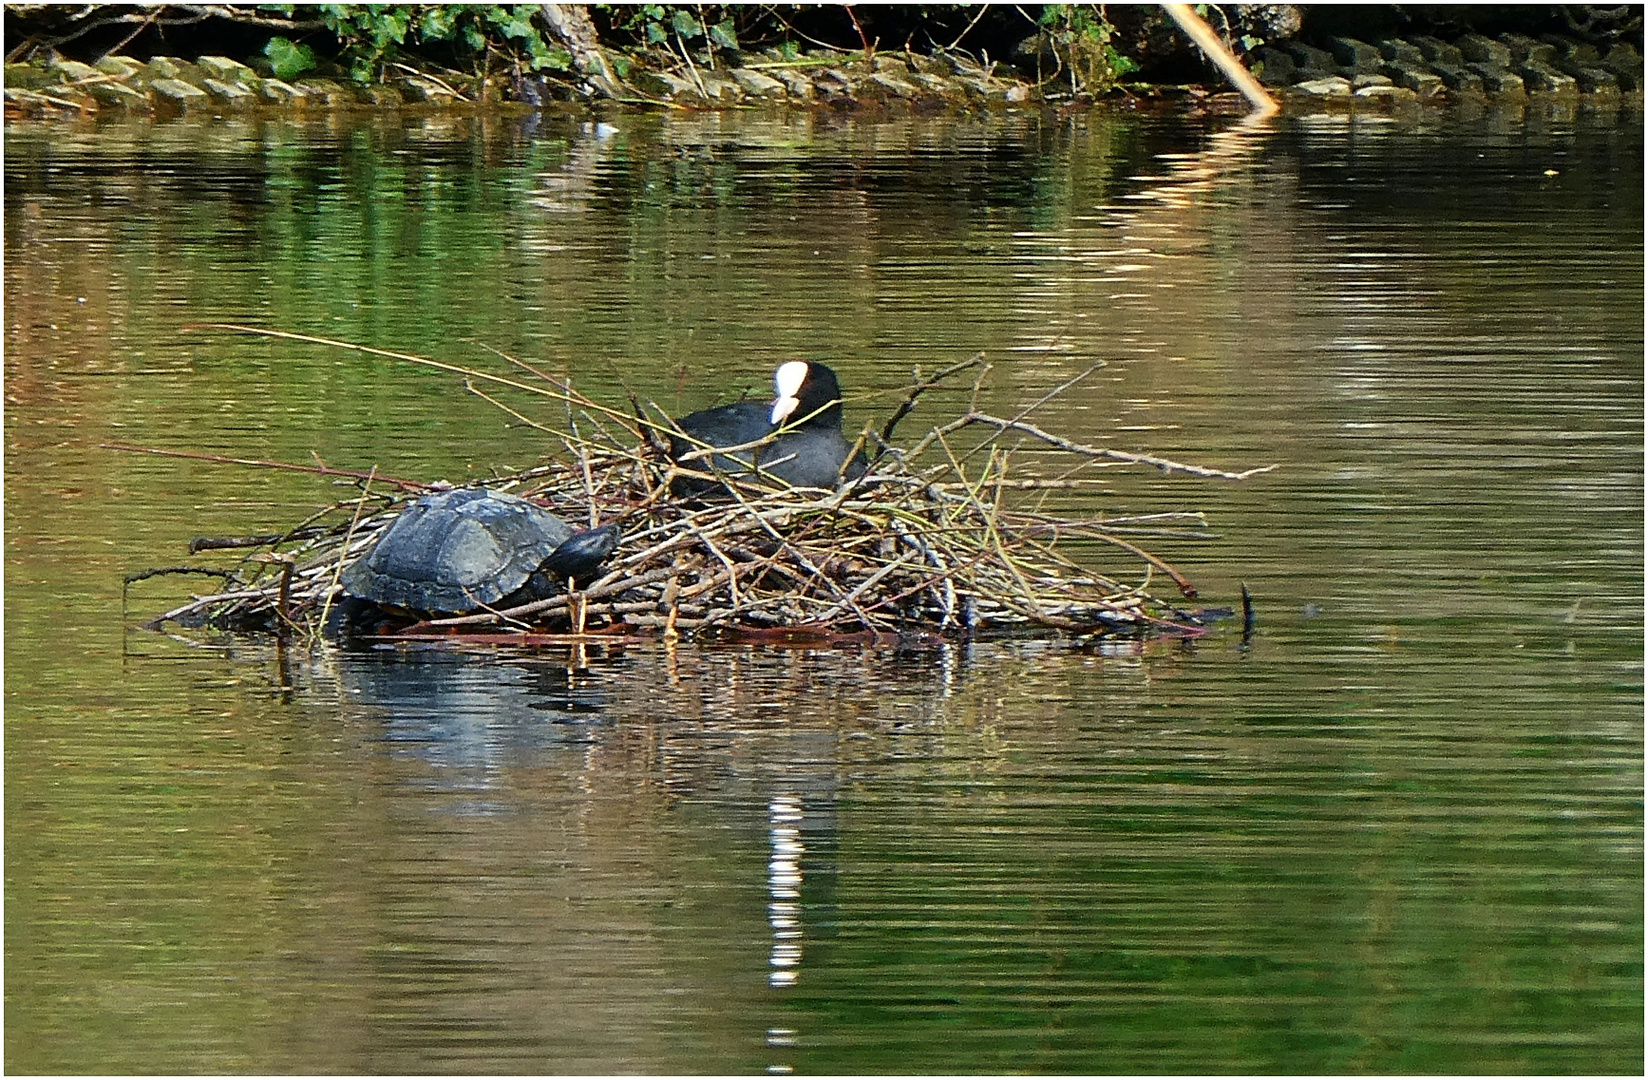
<point>928,542</point>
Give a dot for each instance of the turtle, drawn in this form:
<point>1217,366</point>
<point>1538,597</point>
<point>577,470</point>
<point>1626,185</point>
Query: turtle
<point>468,548</point>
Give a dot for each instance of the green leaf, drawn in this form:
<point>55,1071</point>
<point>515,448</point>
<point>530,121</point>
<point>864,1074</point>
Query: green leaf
<point>685,25</point>
<point>339,18</point>
<point>436,23</point>
<point>724,34</point>
<point>474,37</point>
<point>547,56</point>
<point>288,59</point>
<point>655,33</point>
<point>395,24</point>
<point>516,27</point>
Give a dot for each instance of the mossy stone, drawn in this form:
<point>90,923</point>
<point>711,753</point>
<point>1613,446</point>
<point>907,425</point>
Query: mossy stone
<point>416,89</point>
<point>121,67</point>
<point>1541,78</point>
<point>117,95</point>
<point>177,92</point>
<point>1438,51</point>
<point>70,71</point>
<point>28,77</point>
<point>936,84</point>
<point>1483,50</point>
<point>1356,57</point>
<point>1458,79</point>
<point>894,86</point>
<point>1387,93</point>
<point>170,67</point>
<point>231,94</point>
<point>1499,82</point>
<point>756,83</point>
<point>1415,77</point>
<point>1331,87</point>
<point>277,92</point>
<point>382,97</point>
<point>797,84</point>
<point>226,70</point>
<point>327,91</point>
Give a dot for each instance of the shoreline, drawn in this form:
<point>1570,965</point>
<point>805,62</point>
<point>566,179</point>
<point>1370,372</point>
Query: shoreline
<point>1421,71</point>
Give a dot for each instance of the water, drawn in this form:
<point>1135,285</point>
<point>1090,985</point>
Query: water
<point>1398,831</point>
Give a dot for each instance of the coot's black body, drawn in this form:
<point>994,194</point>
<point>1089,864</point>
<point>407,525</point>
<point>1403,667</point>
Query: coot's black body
<point>810,451</point>
<point>456,551</point>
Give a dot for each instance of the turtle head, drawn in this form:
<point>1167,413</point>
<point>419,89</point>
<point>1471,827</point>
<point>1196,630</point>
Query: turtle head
<point>581,554</point>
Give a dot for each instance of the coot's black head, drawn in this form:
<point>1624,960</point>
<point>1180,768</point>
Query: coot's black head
<point>804,389</point>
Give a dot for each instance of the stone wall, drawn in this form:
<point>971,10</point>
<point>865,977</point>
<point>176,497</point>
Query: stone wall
<point>1413,68</point>
<point>1421,67</point>
<point>215,84</point>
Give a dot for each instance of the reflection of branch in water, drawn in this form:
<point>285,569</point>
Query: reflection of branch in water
<point>784,886</point>
<point>1192,175</point>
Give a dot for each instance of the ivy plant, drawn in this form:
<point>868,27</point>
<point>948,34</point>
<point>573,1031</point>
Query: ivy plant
<point>1080,35</point>
<point>372,35</point>
<point>656,24</point>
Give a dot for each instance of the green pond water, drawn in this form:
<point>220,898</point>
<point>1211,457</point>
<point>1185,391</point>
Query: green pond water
<point>1399,829</point>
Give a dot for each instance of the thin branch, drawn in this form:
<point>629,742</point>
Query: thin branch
<point>921,386</point>
<point>318,470</point>
<point>982,9</point>
<point>343,552</point>
<point>1114,455</point>
<point>127,40</point>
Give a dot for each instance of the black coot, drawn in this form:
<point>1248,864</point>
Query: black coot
<point>809,452</point>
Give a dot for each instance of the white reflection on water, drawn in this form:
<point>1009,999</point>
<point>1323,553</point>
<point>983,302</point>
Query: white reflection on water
<point>784,886</point>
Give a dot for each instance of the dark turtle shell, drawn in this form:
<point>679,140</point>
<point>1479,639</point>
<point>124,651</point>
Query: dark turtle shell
<point>457,550</point>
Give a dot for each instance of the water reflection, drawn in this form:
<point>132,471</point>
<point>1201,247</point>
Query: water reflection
<point>759,739</point>
<point>1401,831</point>
<point>569,187</point>
<point>468,718</point>
<point>784,877</point>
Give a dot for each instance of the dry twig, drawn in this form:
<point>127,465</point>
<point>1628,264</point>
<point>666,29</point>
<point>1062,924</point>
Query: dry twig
<point>919,544</point>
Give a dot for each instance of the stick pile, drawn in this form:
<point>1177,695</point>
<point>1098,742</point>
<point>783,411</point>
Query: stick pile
<point>926,541</point>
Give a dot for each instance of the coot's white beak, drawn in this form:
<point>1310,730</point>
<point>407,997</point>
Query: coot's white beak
<point>788,382</point>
